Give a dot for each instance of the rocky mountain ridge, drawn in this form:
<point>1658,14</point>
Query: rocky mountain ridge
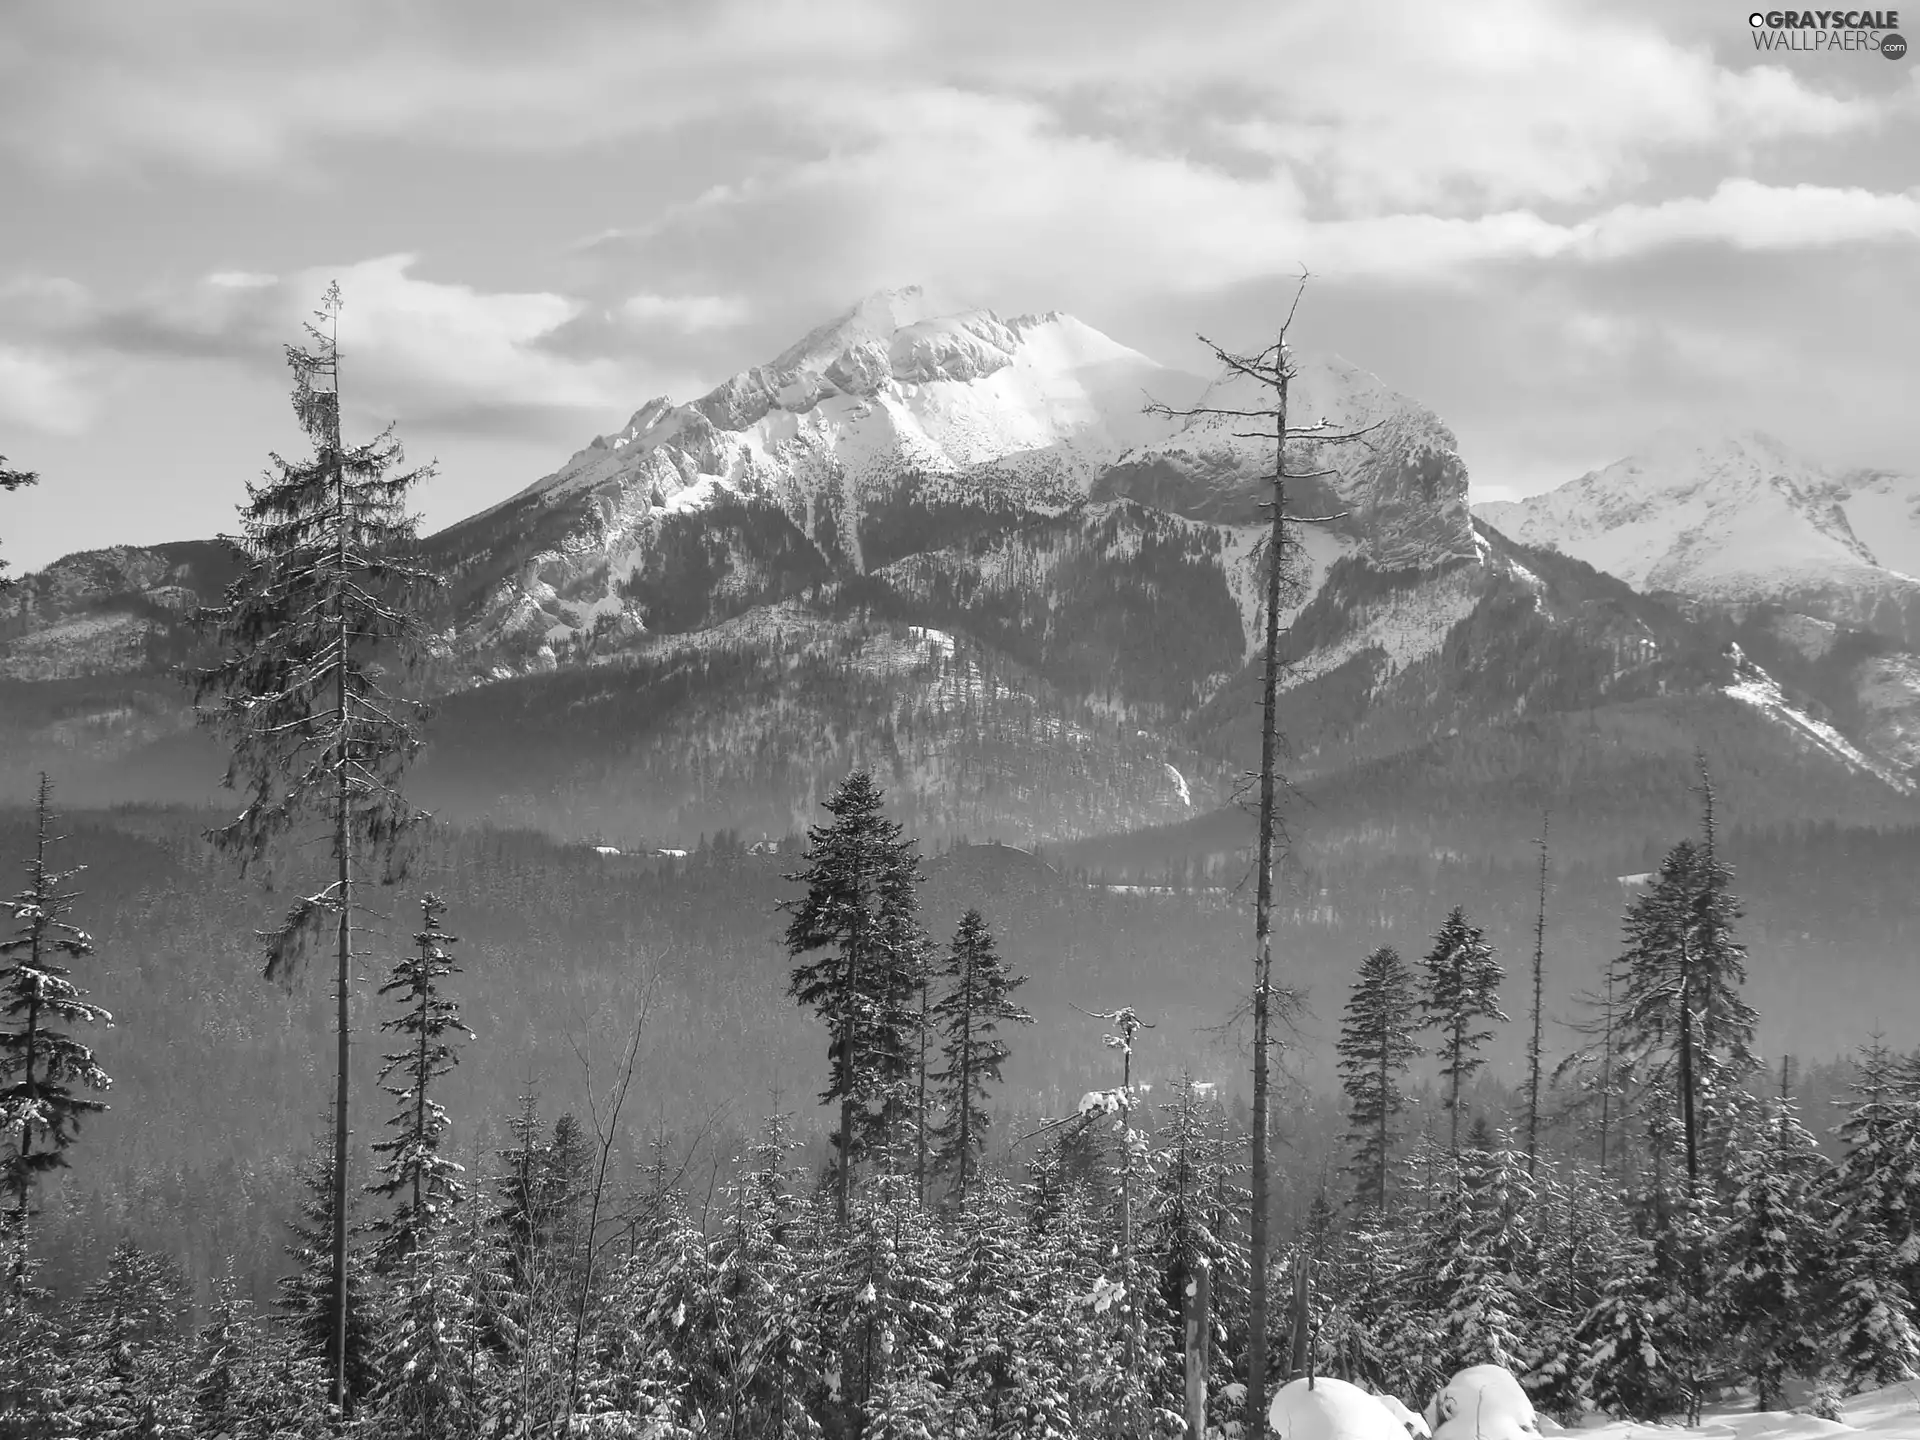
<point>955,547</point>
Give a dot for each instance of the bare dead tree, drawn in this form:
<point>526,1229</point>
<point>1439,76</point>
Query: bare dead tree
<point>1272,370</point>
<point>1533,1045</point>
<point>1127,1023</point>
<point>604,1114</point>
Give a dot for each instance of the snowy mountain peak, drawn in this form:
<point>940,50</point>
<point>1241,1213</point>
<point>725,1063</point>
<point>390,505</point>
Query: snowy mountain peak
<point>905,424</point>
<point>1739,519</point>
<point>901,381</point>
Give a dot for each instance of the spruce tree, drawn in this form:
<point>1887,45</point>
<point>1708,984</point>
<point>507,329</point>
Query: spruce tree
<point>327,597</point>
<point>1872,1244</point>
<point>1768,1257</point>
<point>978,999</point>
<point>43,1067</point>
<point>430,1386</point>
<point>37,1369</point>
<point>1376,1045</point>
<point>306,1302</point>
<point>861,880</point>
<point>413,1170</point>
<point>1681,1012</point>
<point>127,1382</point>
<point>222,1381</point>
<point>1459,989</point>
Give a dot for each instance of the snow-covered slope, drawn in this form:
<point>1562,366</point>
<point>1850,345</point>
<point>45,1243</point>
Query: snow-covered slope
<point>1740,521</point>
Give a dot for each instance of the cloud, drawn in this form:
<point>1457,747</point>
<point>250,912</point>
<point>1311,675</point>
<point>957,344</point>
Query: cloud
<point>1752,216</point>
<point>409,345</point>
<point>687,313</point>
<point>43,392</point>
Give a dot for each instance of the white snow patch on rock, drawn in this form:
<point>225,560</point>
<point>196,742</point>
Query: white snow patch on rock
<point>1760,690</point>
<point>1180,785</point>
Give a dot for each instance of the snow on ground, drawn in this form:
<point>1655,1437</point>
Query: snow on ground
<point>1892,1413</point>
<point>1762,691</point>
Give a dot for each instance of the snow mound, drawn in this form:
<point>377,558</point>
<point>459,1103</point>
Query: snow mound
<point>1483,1402</point>
<point>1329,1409</point>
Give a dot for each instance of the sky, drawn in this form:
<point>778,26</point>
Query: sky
<point>1566,227</point>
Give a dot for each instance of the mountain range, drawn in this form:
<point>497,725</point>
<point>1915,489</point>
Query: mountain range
<point>957,547</point>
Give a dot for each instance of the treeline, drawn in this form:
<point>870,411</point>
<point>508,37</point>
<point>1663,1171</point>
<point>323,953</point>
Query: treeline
<point>1672,1230</point>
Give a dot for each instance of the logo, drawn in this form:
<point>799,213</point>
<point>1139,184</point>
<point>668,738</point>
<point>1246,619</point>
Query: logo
<point>1828,30</point>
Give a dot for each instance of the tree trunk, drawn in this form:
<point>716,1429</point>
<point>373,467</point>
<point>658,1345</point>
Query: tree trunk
<point>1687,1082</point>
<point>1302,1350</point>
<point>343,850</point>
<point>1533,1049</point>
<point>1606,1075</point>
<point>920,1125</point>
<point>1380,1174</point>
<point>843,1182</point>
<point>1256,1417</point>
<point>1199,1344</point>
<point>966,1078</point>
<point>420,1099</point>
<point>1453,1090</point>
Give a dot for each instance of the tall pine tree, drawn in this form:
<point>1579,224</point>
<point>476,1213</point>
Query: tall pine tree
<point>979,998</point>
<point>43,1066</point>
<point>327,597</point>
<point>1376,1045</point>
<point>861,897</point>
<point>1682,1019</point>
<point>1460,989</point>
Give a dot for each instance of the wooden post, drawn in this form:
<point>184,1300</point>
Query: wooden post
<point>1199,1346</point>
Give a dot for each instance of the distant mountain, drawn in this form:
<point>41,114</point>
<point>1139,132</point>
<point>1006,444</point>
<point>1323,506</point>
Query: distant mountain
<point>955,547</point>
<point>1741,521</point>
<point>900,430</point>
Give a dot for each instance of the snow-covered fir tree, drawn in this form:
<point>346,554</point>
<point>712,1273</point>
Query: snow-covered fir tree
<point>412,1169</point>
<point>977,1000</point>
<point>1376,1046</point>
<point>129,1369</point>
<point>1767,1257</point>
<point>860,907</point>
<point>44,1070</point>
<point>1459,991</point>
